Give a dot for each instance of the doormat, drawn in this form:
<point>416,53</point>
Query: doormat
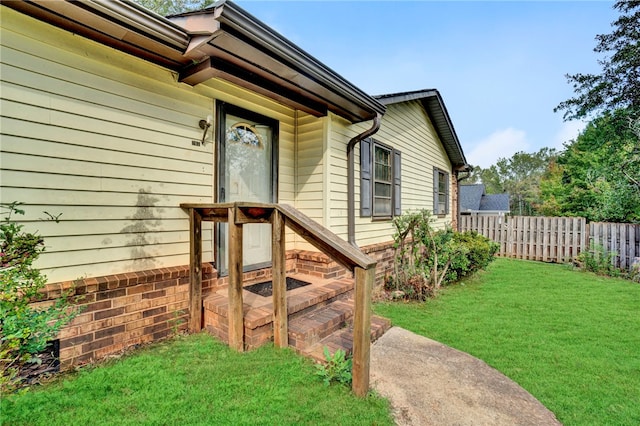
<point>265,289</point>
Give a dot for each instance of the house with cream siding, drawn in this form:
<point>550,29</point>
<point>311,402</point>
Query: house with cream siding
<point>112,117</point>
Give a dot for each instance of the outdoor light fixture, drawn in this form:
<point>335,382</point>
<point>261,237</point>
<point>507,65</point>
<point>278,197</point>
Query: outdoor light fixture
<point>204,125</point>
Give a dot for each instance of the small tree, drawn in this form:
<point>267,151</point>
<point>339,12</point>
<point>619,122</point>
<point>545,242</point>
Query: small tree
<point>423,255</point>
<point>24,329</point>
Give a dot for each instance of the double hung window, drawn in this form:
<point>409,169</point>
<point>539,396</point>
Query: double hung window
<point>380,181</point>
<point>440,192</point>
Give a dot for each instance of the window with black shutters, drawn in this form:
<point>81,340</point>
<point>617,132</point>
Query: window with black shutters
<point>380,183</point>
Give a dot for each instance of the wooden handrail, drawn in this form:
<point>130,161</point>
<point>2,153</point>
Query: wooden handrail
<point>325,240</point>
<point>317,235</point>
<point>279,215</point>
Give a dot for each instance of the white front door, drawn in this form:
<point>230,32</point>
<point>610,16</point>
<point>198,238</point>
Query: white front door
<point>247,143</point>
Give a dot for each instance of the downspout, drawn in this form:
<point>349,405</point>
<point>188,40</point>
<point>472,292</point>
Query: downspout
<point>351,171</point>
<point>468,169</point>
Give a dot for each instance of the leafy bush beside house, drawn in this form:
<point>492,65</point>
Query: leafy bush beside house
<point>427,259</point>
<point>25,330</point>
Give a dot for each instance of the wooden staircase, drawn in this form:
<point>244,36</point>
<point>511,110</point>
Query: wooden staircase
<point>319,315</point>
<point>280,216</point>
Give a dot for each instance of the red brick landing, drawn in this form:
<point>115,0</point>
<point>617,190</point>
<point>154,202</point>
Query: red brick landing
<point>319,315</point>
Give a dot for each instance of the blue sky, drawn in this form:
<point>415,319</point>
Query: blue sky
<point>499,65</point>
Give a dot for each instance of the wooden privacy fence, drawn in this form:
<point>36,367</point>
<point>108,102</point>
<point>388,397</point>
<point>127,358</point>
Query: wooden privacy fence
<point>556,239</point>
<point>621,239</point>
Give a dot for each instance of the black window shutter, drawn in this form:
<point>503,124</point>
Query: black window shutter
<point>397,184</point>
<point>365,178</point>
<point>435,191</point>
<point>446,182</point>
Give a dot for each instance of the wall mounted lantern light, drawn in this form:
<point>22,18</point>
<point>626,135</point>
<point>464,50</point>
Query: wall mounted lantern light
<point>204,125</point>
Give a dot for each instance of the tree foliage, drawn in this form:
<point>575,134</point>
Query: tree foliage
<point>598,175</point>
<point>618,85</point>
<point>173,7</point>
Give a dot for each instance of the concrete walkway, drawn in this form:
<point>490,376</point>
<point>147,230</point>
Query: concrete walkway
<point>429,383</point>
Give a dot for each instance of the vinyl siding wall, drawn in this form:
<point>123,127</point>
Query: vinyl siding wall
<point>103,140</point>
<point>309,156</point>
<point>407,128</point>
<point>311,188</point>
<point>341,131</point>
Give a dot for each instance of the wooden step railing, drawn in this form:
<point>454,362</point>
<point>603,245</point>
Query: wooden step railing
<point>280,215</point>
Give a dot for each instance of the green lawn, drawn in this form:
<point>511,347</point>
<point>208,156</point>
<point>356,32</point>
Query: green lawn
<point>195,380</point>
<point>571,339</point>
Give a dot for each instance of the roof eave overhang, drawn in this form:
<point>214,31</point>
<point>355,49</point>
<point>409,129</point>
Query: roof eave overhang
<point>246,48</point>
<point>226,43</point>
<point>434,105</point>
<point>122,25</point>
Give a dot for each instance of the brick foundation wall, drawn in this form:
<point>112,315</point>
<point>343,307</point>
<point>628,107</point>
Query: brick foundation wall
<point>383,253</point>
<point>124,310</point>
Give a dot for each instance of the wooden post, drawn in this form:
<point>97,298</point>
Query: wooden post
<point>362,330</point>
<point>236,317</point>
<point>279,281</point>
<point>195,272</point>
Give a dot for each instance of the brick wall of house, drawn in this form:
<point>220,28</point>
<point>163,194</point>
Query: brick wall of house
<point>455,205</point>
<point>384,254</point>
<point>124,310</point>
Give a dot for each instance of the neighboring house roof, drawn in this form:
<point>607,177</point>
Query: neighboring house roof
<point>474,199</point>
<point>470,197</point>
<point>437,111</point>
<point>222,41</point>
<point>494,202</point>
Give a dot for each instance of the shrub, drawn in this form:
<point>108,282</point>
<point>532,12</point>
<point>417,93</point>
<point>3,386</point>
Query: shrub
<point>426,259</point>
<point>24,329</point>
<point>481,251</point>
<point>598,260</point>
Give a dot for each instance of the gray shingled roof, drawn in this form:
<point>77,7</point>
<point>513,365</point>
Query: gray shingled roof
<point>470,197</point>
<point>495,202</point>
<point>473,198</point>
<point>434,106</point>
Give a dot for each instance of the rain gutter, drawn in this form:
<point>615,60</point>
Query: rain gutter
<point>351,197</point>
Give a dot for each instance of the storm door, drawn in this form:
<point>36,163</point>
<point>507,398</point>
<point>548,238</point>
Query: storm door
<point>247,171</point>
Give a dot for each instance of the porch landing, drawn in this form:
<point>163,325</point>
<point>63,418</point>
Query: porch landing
<point>319,315</point>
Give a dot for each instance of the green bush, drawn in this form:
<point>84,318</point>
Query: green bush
<point>480,251</point>
<point>24,329</point>
<point>601,261</point>
<point>426,259</point>
<point>598,260</point>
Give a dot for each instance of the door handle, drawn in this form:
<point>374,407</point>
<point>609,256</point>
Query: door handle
<point>222,195</point>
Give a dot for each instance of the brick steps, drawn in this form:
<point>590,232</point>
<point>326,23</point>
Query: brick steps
<point>319,315</point>
<point>258,310</point>
<point>343,339</point>
<point>309,329</point>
